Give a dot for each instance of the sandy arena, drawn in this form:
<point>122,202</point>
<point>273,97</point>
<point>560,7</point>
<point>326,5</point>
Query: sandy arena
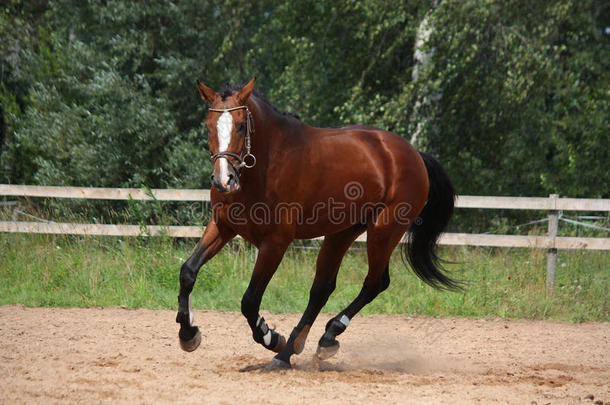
<point>116,355</point>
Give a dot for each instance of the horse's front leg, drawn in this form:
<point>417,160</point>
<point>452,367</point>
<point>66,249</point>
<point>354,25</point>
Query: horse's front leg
<point>269,257</point>
<point>213,239</point>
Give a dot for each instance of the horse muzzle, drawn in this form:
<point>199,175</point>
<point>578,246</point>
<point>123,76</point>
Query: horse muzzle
<point>226,184</point>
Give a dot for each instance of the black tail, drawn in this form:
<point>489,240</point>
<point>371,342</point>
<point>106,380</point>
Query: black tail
<point>423,234</point>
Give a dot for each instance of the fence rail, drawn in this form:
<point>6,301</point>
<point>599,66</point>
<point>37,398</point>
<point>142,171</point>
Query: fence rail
<point>455,239</point>
<point>463,201</point>
<point>552,204</point>
<point>96,193</point>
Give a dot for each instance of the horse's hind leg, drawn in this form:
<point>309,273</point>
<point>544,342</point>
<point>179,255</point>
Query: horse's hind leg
<point>331,253</point>
<point>382,237</point>
<point>213,239</point>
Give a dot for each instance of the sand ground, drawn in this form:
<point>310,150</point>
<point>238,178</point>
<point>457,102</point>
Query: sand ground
<point>114,355</point>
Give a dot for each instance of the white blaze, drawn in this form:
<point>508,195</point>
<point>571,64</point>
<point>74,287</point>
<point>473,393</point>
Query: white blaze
<point>224,127</point>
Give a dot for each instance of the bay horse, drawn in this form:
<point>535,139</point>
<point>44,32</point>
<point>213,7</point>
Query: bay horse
<point>276,179</point>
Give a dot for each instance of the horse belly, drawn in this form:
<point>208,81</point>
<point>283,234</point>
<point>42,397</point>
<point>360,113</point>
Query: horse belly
<point>355,203</point>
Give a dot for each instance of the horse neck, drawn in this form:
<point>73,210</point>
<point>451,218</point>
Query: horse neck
<point>269,130</point>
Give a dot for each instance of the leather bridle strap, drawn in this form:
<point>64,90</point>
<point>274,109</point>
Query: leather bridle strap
<point>241,158</point>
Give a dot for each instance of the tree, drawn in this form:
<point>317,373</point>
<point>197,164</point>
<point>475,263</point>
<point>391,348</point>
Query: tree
<point>513,98</point>
<point>523,94</point>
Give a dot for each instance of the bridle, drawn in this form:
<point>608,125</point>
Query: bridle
<point>241,158</point>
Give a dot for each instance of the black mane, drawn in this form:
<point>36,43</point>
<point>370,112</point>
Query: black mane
<point>231,88</point>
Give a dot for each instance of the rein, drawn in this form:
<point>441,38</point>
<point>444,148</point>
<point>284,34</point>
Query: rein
<point>241,158</point>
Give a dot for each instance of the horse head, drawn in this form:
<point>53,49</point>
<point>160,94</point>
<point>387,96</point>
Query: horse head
<point>230,126</point>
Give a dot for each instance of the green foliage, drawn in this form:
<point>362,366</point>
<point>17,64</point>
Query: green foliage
<point>523,95</point>
<point>335,61</point>
<point>512,96</point>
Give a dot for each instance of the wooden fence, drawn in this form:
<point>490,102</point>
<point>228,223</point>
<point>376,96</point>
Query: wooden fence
<point>553,204</point>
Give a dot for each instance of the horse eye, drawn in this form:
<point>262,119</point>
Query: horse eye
<point>241,127</point>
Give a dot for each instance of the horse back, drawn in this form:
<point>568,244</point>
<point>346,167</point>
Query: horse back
<point>321,163</point>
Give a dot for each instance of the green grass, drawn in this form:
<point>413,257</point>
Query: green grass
<point>47,270</point>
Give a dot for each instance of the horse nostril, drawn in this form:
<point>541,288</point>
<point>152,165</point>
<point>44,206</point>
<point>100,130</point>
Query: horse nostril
<point>231,178</point>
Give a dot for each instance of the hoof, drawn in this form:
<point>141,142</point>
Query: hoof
<point>191,344</point>
<point>324,353</point>
<point>281,345</point>
<point>277,364</point>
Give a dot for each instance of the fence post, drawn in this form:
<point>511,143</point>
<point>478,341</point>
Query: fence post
<point>551,263</point>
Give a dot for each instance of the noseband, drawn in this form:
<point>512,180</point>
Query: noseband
<point>241,158</point>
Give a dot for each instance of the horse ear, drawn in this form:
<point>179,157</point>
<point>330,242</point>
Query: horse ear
<point>246,91</point>
<point>206,93</point>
